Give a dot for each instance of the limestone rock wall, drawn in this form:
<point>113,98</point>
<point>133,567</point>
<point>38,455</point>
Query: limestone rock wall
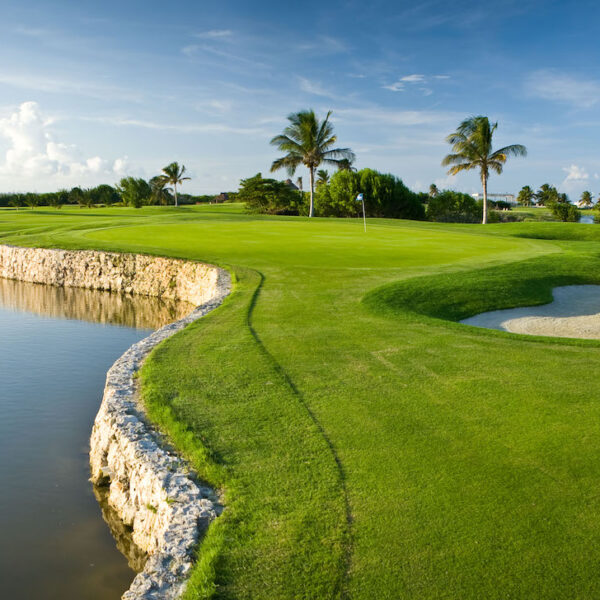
<point>167,278</point>
<point>151,488</point>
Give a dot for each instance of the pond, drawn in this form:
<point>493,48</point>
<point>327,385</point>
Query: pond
<point>55,348</point>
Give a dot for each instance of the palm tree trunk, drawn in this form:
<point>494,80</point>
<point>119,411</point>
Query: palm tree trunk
<point>311,211</point>
<point>175,190</point>
<point>484,181</point>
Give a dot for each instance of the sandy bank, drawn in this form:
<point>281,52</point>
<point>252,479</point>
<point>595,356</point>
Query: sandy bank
<point>574,313</point>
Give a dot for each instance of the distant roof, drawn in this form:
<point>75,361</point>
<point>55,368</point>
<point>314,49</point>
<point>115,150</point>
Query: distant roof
<point>291,184</point>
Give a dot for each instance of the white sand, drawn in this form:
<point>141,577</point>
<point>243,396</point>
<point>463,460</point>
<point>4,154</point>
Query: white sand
<point>575,313</point>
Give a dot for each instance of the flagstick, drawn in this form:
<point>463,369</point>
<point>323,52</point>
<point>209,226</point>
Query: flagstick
<point>364,215</point>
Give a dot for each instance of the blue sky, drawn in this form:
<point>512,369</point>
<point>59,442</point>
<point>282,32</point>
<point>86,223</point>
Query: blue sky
<point>91,91</point>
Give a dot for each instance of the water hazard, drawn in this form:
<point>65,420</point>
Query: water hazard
<point>55,348</point>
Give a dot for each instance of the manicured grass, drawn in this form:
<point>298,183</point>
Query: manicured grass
<point>367,446</point>
<point>533,213</point>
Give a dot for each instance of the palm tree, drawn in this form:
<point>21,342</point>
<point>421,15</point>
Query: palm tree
<point>472,149</point>
<point>345,165</point>
<point>161,194</point>
<point>299,186</point>
<point>323,177</point>
<point>433,190</point>
<point>525,197</point>
<point>308,141</point>
<point>586,199</point>
<point>546,195</point>
<point>173,175</point>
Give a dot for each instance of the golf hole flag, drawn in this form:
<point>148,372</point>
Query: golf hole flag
<point>361,198</point>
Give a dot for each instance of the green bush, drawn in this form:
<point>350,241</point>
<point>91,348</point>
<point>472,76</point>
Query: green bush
<point>565,211</point>
<point>269,196</point>
<point>454,207</point>
<point>385,196</point>
<point>134,192</point>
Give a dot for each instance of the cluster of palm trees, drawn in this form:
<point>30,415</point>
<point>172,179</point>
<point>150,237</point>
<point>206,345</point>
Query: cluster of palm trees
<point>309,141</point>
<point>172,175</point>
<point>548,195</point>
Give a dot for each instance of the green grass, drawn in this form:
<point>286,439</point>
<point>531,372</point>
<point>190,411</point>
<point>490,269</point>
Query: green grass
<point>368,446</point>
<point>532,213</point>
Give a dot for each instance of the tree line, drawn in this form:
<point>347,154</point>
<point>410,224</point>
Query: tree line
<point>548,195</point>
<point>129,191</point>
<point>558,203</point>
<point>385,196</point>
<point>311,142</point>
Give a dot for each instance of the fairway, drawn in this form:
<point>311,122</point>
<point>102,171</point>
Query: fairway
<point>368,446</point>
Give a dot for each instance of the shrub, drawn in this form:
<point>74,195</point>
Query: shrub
<point>565,211</point>
<point>269,196</point>
<point>385,196</point>
<point>134,192</point>
<point>454,207</point>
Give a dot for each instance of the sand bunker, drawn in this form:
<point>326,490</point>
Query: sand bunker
<point>574,313</point>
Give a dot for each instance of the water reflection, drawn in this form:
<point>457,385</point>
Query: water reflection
<point>588,219</point>
<point>55,348</point>
<point>139,312</point>
<point>136,558</point>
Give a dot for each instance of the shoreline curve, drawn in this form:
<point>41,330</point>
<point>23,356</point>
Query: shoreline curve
<point>152,489</point>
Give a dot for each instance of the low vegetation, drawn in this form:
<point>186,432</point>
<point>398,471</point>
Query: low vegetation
<point>385,196</point>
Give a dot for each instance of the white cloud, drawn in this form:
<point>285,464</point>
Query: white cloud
<point>34,154</point>
<point>177,128</point>
<point>121,166</point>
<point>214,105</point>
<point>215,33</point>
<point>324,44</point>
<point>575,182</point>
<point>399,117</point>
<point>190,50</point>
<point>312,87</point>
<point>575,173</point>
<point>563,87</point>
<point>199,51</point>
<point>394,87</point>
<point>416,78</point>
<point>56,85</point>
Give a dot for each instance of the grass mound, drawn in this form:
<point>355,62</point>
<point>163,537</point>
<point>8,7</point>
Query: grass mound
<point>456,296</point>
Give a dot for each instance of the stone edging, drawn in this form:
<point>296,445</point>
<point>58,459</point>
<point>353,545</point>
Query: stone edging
<point>150,487</point>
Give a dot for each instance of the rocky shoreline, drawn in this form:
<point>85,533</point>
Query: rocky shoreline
<point>149,487</point>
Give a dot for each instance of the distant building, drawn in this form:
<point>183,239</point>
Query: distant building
<point>510,198</point>
<point>291,184</point>
<point>222,197</point>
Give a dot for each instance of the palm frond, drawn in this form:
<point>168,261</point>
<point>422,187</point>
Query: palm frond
<point>512,150</point>
<point>461,167</point>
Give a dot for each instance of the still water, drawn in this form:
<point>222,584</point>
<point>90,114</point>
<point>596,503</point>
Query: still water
<point>55,348</point>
